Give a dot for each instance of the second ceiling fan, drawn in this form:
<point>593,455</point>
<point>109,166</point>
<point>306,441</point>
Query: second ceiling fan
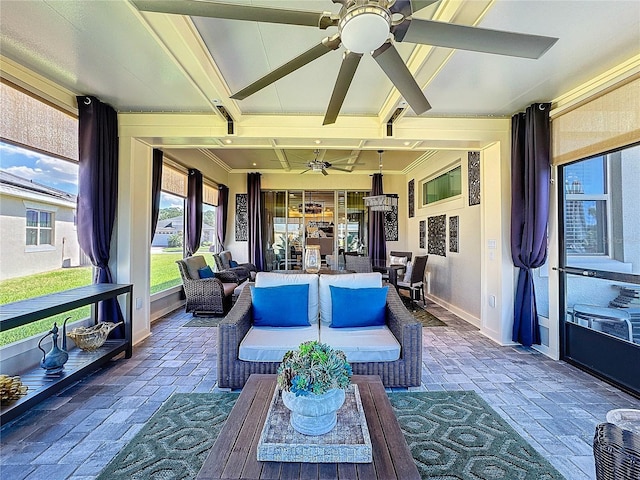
<point>364,26</point>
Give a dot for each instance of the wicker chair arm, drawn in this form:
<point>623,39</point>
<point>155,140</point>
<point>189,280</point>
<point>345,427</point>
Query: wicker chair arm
<point>231,331</point>
<point>227,276</point>
<point>404,326</point>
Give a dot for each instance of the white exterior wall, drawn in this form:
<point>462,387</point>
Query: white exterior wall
<point>16,258</point>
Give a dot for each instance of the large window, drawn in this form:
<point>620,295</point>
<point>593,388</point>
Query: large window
<point>168,241</point>
<point>39,250</point>
<point>443,186</point>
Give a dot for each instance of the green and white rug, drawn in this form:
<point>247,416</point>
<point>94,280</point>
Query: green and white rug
<point>452,435</point>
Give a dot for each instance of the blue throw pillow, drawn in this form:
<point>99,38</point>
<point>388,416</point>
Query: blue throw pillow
<point>206,272</point>
<point>358,307</point>
<point>233,263</point>
<point>281,306</point>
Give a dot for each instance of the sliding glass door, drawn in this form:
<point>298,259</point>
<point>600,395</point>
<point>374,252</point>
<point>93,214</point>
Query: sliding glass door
<point>337,221</point>
<point>600,265</point>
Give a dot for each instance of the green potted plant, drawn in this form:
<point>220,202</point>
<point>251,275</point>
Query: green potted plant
<point>313,380</point>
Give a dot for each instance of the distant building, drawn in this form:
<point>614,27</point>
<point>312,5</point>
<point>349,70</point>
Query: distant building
<point>38,228</point>
<point>171,226</point>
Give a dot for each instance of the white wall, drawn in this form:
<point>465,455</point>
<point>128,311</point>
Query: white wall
<point>454,280</point>
<point>16,258</point>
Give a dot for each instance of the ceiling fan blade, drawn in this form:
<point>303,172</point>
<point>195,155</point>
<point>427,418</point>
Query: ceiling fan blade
<point>197,8</point>
<point>441,34</point>
<point>324,172</point>
<point>394,67</point>
<point>348,68</point>
<point>327,45</point>
<point>305,171</point>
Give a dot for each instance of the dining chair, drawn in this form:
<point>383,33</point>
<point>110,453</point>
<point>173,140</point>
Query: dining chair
<point>398,255</point>
<point>414,278</point>
<point>358,264</point>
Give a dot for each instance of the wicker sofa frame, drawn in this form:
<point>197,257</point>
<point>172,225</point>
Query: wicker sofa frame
<point>404,372</point>
<point>207,295</point>
<point>616,452</point>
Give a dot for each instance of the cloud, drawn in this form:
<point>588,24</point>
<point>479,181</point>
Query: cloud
<point>39,167</point>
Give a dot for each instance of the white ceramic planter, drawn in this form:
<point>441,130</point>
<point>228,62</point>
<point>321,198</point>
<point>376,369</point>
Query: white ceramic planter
<point>314,414</point>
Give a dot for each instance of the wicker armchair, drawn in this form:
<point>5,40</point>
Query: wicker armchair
<point>404,372</point>
<point>244,271</point>
<point>206,295</point>
<point>616,452</point>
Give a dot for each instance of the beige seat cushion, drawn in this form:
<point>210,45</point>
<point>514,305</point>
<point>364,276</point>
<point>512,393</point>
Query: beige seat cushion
<point>362,344</point>
<point>269,344</point>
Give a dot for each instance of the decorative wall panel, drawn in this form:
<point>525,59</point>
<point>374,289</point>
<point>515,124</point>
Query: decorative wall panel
<point>391,225</point>
<point>242,226</point>
<point>423,233</point>
<point>454,229</point>
<point>411,198</point>
<point>474,178</point>
<point>437,235</point>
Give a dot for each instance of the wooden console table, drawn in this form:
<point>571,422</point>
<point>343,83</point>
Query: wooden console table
<point>80,363</point>
<point>234,454</point>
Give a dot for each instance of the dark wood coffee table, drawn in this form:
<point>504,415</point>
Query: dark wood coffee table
<point>233,456</point>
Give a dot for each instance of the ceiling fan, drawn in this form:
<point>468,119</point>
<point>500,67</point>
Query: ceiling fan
<point>317,165</point>
<point>364,26</point>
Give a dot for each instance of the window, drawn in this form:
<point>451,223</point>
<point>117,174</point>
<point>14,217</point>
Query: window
<point>38,188</point>
<point>443,186</point>
<point>39,228</point>
<point>586,207</point>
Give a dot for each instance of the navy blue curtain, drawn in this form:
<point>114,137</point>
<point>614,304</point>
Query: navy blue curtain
<point>193,228</point>
<point>156,189</point>
<point>98,194</point>
<point>222,214</point>
<point>530,174</point>
<point>377,243</point>
<point>254,212</point>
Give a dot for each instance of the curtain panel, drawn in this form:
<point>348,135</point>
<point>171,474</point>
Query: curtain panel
<point>222,214</point>
<point>254,213</point>
<point>194,211</point>
<point>156,189</point>
<point>377,243</point>
<point>530,175</point>
<point>98,194</point>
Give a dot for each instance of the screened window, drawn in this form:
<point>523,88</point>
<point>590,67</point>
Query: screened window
<point>39,228</point>
<point>444,186</point>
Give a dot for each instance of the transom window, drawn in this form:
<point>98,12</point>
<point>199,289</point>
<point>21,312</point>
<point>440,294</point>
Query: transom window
<point>444,186</point>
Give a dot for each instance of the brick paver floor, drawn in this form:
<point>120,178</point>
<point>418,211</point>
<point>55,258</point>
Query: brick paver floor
<point>73,435</point>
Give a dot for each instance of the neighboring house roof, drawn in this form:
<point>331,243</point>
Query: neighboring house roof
<point>23,184</point>
<point>177,223</point>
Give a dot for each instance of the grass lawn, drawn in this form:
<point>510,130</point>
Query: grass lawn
<point>164,274</point>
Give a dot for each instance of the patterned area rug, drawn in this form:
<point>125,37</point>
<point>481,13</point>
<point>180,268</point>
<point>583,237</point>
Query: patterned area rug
<point>204,322</point>
<point>428,319</point>
<point>457,435</point>
<point>452,435</point>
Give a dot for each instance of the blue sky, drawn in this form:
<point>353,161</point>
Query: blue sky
<point>40,168</point>
<point>53,172</point>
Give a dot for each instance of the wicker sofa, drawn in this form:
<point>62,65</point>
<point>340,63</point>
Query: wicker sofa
<point>403,372</point>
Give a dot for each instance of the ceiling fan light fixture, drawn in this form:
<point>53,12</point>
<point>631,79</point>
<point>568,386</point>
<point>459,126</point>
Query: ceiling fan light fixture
<point>365,28</point>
